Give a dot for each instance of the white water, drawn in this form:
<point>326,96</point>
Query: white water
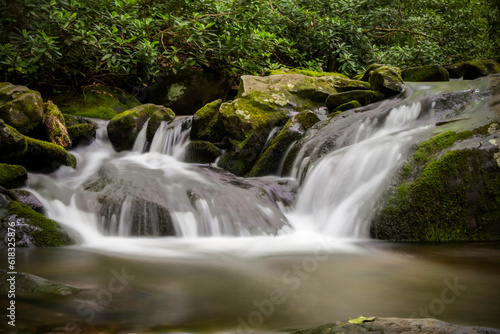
<point>336,200</point>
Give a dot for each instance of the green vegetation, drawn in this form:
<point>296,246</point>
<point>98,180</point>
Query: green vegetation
<point>12,176</point>
<point>73,43</point>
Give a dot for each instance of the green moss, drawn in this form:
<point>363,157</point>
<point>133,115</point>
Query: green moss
<point>97,102</point>
<point>363,97</point>
<point>306,72</point>
<point>12,176</point>
<point>346,106</point>
<point>426,73</point>
<point>49,234</point>
<point>42,155</point>
<point>201,152</point>
<point>84,132</point>
<point>454,198</point>
<point>206,123</point>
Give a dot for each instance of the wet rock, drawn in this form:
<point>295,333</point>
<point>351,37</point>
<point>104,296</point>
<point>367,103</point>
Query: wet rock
<point>201,152</point>
<point>426,73</point>
<point>20,107</point>
<point>55,126</point>
<point>97,101</point>
<point>82,134</point>
<point>44,156</point>
<point>346,106</point>
<point>12,176</point>
<point>28,284</point>
<point>270,161</point>
<point>32,228</point>
<point>124,127</point>
<point>397,326</point>
<point>27,198</point>
<point>363,97</point>
<point>206,124</point>
<point>456,71</point>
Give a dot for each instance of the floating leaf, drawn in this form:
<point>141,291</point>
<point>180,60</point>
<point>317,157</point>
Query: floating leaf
<point>361,320</point>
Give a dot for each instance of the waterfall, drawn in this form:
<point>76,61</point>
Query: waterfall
<point>170,137</point>
<point>341,189</point>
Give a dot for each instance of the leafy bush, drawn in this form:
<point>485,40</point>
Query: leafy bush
<point>71,43</point>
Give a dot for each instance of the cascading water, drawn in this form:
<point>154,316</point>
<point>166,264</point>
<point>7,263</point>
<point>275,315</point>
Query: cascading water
<point>341,189</point>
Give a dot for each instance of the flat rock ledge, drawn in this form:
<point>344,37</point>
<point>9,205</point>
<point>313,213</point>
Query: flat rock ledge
<point>398,326</point>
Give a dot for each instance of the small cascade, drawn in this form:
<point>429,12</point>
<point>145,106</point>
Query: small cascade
<point>140,144</point>
<point>341,189</point>
<point>172,137</point>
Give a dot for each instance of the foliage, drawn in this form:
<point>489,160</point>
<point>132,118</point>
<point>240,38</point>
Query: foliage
<point>77,42</point>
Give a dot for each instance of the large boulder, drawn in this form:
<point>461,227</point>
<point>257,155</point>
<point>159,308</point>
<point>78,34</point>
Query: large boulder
<point>32,228</point>
<point>426,73</point>
<point>55,126</point>
<point>397,326</point>
<point>12,143</point>
<point>20,107</point>
<point>274,153</point>
<point>124,127</point>
<point>12,176</point>
<point>384,79</point>
<point>97,101</point>
<point>201,152</point>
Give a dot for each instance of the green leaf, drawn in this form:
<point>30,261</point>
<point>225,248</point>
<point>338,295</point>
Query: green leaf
<point>361,320</point>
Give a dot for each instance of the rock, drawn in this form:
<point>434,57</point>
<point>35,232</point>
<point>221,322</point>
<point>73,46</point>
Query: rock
<point>97,101</point>
<point>44,156</point>
<point>346,106</point>
<point>456,71</point>
<point>363,97</point>
<point>397,326</point>
<point>32,228</point>
<point>55,126</point>
<point>12,176</point>
<point>82,134</point>
<point>480,68</point>
<point>12,143</point>
<point>201,152</point>
<point>187,91</point>
<point>426,73</point>
<point>27,198</point>
<point>450,192</point>
<point>274,154</point>
<point>384,79</point>
<point>206,124</point>
<point>124,127</point>
<point>20,107</point>
<point>28,284</point>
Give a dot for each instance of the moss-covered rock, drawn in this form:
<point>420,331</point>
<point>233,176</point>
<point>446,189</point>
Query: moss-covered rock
<point>426,73</point>
<point>20,107</point>
<point>456,71</point>
<point>450,191</point>
<point>96,101</point>
<point>480,68</point>
<point>271,159</point>
<point>12,143</point>
<point>124,127</point>
<point>27,198</point>
<point>31,285</point>
<point>346,106</point>
<point>363,97</point>
<point>12,176</point>
<point>384,79</point>
<point>305,72</point>
<point>206,123</point>
<point>44,156</point>
<point>32,228</point>
<point>56,126</point>
<point>201,152</point>
<point>82,134</point>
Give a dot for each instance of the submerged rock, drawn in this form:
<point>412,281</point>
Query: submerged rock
<point>426,73</point>
<point>20,107</point>
<point>97,101</point>
<point>32,228</point>
<point>124,127</point>
<point>29,285</point>
<point>397,326</point>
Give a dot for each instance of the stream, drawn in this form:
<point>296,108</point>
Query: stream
<point>170,247</point>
